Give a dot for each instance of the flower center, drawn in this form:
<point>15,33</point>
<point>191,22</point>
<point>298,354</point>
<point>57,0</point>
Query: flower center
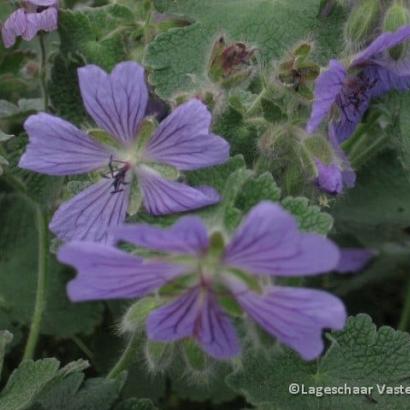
<point>118,171</point>
<point>355,94</point>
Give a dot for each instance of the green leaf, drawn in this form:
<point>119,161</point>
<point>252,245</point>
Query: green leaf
<point>360,355</point>
<point>64,90</point>
<point>19,237</point>
<point>94,394</point>
<point>41,386</point>
<point>97,34</point>
<point>377,210</point>
<point>241,135</point>
<point>256,189</point>
<point>310,217</point>
<point>26,383</point>
<point>179,57</point>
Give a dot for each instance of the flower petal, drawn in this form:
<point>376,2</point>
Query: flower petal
<point>269,243</point>
<point>267,228</point>
<point>105,272</point>
<point>386,80</point>
<point>184,141</point>
<point>89,214</point>
<point>43,21</point>
<point>327,87</point>
<point>350,115</point>
<point>354,259</point>
<point>330,178</point>
<point>162,196</point>
<point>14,26</point>
<point>195,314</point>
<point>43,3</point>
<point>116,102</point>
<point>384,42</point>
<point>57,147</point>
<point>295,316</point>
<point>187,236</point>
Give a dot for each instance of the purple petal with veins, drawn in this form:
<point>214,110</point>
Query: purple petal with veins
<point>57,147</point>
<point>295,316</point>
<point>115,101</point>
<point>383,42</point>
<point>187,236</point>
<point>184,141</point>
<point>108,273</point>
<point>90,214</point>
<point>162,196</point>
<point>268,242</point>
<point>327,89</point>
<point>195,314</point>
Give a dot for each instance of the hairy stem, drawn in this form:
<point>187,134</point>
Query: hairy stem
<point>43,70</point>
<point>126,359</point>
<point>40,300</point>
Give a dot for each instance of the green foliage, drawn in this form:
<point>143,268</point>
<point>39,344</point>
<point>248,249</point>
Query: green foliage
<point>377,210</point>
<point>310,217</point>
<point>96,34</point>
<point>179,57</point>
<point>358,356</point>
<point>30,379</point>
<point>18,276</point>
<point>136,404</point>
<point>88,36</point>
<point>43,385</point>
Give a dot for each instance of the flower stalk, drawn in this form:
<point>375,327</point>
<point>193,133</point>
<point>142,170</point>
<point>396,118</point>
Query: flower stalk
<point>126,359</point>
<point>40,300</point>
<point>43,70</point>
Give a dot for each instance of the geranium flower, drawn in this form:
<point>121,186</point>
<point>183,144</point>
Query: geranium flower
<point>27,21</point>
<point>209,267</point>
<point>117,103</point>
<point>334,177</point>
<point>345,94</point>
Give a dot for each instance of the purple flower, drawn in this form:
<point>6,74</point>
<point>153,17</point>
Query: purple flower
<point>117,103</point>
<point>345,94</point>
<point>32,17</point>
<point>333,178</point>
<point>211,268</point>
<point>354,259</point>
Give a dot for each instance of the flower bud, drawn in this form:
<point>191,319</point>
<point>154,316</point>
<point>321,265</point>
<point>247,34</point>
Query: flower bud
<point>397,15</point>
<point>136,315</point>
<point>230,64</point>
<point>158,355</point>
<point>362,21</point>
<point>297,70</point>
<point>195,358</point>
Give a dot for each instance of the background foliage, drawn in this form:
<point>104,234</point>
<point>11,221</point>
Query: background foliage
<point>261,116</point>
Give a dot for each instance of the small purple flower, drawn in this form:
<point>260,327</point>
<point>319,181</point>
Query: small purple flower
<point>117,103</point>
<point>345,94</point>
<point>354,259</point>
<point>32,17</point>
<point>333,178</point>
<point>211,268</point>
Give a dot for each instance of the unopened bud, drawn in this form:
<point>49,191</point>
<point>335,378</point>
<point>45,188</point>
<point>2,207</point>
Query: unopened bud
<point>297,70</point>
<point>397,15</point>
<point>195,358</point>
<point>362,21</point>
<point>158,355</point>
<point>230,64</point>
<point>137,314</point>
